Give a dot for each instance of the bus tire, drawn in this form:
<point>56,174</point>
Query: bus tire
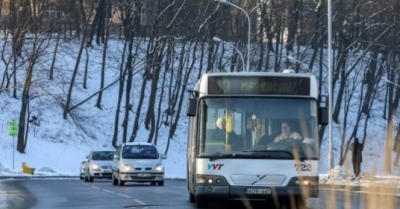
<point>191,197</point>
<point>300,202</point>
<point>202,203</point>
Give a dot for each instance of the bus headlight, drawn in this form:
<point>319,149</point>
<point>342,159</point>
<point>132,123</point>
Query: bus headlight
<point>304,181</point>
<point>200,180</point>
<point>211,180</point>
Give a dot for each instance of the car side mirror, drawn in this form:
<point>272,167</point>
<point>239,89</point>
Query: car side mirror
<point>116,157</point>
<point>163,156</point>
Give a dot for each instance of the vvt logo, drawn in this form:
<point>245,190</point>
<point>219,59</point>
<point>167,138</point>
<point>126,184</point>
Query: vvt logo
<point>215,166</point>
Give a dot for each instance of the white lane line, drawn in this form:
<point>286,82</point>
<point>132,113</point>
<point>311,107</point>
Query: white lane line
<point>109,191</point>
<point>129,197</point>
<point>96,187</point>
<point>140,202</point>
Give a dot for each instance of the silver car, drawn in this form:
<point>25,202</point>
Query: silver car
<point>138,162</point>
<point>98,164</point>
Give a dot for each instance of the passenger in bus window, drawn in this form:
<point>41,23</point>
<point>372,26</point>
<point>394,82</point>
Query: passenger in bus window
<point>221,132</point>
<point>220,124</point>
<point>287,133</point>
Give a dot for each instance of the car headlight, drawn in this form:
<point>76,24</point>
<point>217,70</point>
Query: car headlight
<point>95,167</point>
<point>127,167</point>
<point>159,167</point>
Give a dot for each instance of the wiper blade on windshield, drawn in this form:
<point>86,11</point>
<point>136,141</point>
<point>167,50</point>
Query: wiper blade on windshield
<point>218,155</point>
<point>270,151</point>
<point>289,154</point>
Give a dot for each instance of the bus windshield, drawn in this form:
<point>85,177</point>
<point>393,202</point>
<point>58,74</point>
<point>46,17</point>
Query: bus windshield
<point>258,128</point>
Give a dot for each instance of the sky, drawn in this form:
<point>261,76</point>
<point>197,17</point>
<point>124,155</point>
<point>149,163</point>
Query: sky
<point>56,146</point>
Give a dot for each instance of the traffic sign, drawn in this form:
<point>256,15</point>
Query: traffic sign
<point>13,128</point>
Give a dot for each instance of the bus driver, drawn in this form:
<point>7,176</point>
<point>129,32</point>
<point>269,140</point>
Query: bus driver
<point>287,133</point>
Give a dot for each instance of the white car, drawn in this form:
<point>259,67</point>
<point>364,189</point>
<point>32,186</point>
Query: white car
<point>138,162</point>
<point>98,164</point>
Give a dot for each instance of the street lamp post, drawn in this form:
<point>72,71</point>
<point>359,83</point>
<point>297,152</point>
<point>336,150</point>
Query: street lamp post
<point>330,154</point>
<point>238,51</point>
<point>389,135</point>
<point>249,31</point>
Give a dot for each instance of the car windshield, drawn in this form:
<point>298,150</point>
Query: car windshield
<point>139,152</point>
<point>103,155</point>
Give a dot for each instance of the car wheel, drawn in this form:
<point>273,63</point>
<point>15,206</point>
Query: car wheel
<point>160,183</point>
<point>119,181</point>
<point>114,180</point>
<point>85,178</point>
<point>90,179</point>
<point>153,183</point>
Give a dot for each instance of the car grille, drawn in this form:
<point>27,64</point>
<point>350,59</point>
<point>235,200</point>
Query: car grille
<point>145,169</point>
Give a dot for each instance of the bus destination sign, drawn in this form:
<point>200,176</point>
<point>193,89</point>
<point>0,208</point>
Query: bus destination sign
<point>259,85</point>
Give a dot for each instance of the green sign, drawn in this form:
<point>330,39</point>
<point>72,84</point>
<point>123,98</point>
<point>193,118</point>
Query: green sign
<point>13,128</point>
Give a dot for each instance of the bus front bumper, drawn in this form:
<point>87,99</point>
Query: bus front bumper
<point>254,192</point>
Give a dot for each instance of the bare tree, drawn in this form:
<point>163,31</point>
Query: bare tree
<point>75,71</point>
<point>38,47</point>
<point>104,57</point>
<point>55,53</point>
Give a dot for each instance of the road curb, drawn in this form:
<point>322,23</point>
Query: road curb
<point>381,189</point>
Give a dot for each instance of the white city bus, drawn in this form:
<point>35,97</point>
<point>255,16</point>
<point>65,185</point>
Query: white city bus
<point>246,163</point>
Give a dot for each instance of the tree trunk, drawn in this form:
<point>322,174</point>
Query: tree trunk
<point>55,52</point>
<point>122,71</point>
<point>103,65</point>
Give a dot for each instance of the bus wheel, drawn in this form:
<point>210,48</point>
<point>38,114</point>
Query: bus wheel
<point>300,203</point>
<point>295,202</point>
<point>201,203</point>
<point>191,197</point>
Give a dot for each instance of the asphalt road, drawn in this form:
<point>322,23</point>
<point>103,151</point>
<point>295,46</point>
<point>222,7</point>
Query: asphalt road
<point>101,194</point>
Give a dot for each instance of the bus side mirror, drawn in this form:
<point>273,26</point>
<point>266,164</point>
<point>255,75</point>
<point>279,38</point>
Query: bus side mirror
<point>323,116</point>
<point>191,107</point>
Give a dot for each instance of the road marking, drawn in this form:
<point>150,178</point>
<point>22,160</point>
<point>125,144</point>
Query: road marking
<point>120,194</point>
<point>109,191</point>
<point>140,202</point>
<point>124,195</point>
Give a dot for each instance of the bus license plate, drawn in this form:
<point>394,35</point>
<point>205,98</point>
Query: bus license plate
<point>258,191</point>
